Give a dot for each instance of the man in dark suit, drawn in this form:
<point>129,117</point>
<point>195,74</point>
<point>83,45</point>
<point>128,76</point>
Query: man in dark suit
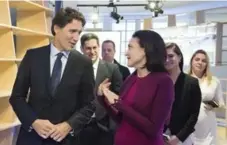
<point>108,52</point>
<point>100,131</point>
<point>61,84</point>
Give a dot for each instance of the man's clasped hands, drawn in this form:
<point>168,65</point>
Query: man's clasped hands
<point>46,129</point>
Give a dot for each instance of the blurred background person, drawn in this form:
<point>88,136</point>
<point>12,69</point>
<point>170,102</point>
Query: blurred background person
<point>205,129</point>
<point>100,130</point>
<point>187,102</point>
<point>108,52</point>
<point>147,95</point>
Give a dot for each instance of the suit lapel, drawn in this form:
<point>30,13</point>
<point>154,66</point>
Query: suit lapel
<point>101,74</point>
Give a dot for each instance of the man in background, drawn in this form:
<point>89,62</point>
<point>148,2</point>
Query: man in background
<point>108,52</point>
<point>100,131</point>
<point>60,81</point>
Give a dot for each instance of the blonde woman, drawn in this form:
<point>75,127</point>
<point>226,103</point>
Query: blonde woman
<point>205,129</point>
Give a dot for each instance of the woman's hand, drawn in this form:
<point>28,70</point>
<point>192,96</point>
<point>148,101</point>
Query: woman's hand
<point>173,140</point>
<point>110,96</point>
<point>104,84</point>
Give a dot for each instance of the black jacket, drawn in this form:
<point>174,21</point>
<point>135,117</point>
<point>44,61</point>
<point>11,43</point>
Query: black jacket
<point>124,70</point>
<point>186,107</point>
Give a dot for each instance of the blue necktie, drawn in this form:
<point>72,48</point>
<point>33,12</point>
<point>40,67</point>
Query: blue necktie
<point>56,73</point>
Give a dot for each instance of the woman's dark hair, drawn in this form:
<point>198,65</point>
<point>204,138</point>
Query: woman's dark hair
<point>176,49</point>
<point>65,16</point>
<point>154,48</point>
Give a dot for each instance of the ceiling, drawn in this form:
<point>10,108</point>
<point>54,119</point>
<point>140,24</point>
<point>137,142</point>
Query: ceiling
<point>213,8</point>
<point>127,9</point>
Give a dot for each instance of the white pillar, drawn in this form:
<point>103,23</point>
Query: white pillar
<point>200,17</point>
<point>171,20</point>
<point>197,17</point>
<point>107,24</point>
<point>138,24</point>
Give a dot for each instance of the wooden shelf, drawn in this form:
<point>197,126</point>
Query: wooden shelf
<point>26,5</point>
<point>22,31</point>
<point>10,59</point>
<point>5,27</point>
<point>5,14</point>
<point>8,71</point>
<point>31,29</point>
<point>28,42</point>
<point>7,49</point>
<point>5,94</point>
<point>5,126</point>
<point>26,32</point>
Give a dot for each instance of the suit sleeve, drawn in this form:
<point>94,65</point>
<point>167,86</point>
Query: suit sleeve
<point>127,73</point>
<point>19,93</point>
<point>116,80</point>
<point>194,111</point>
<point>86,95</point>
<point>151,125</point>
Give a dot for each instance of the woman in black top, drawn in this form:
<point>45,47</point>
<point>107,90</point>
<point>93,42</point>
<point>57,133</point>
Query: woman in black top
<point>187,102</point>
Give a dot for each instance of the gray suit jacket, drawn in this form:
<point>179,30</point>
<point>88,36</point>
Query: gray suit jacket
<point>111,71</point>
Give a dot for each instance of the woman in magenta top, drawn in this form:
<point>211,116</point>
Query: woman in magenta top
<point>146,96</point>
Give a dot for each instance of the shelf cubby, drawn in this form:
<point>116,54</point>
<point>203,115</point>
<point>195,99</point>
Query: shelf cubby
<point>23,43</point>
<point>7,50</point>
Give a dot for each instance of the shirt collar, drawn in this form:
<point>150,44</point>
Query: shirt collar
<point>54,51</point>
<point>95,64</point>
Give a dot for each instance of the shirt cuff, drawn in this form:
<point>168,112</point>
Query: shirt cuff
<point>72,133</point>
<point>30,129</point>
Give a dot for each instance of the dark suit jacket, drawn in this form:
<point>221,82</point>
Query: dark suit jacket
<point>103,120</point>
<point>72,101</point>
<point>186,106</point>
<point>152,104</point>
<point>110,71</point>
<point>124,70</point>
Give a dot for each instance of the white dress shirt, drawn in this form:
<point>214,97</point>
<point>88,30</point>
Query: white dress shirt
<point>95,67</point>
<point>53,56</point>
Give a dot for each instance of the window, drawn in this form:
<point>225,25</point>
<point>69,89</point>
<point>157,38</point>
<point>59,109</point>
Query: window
<point>129,35</point>
<point>123,58</point>
<point>131,25</point>
<point>127,28</point>
<point>119,26</point>
<point>181,23</point>
<point>160,25</point>
<point>124,46</point>
<point>90,25</point>
<point>123,35</point>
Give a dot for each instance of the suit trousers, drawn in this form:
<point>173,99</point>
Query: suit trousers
<point>94,135</point>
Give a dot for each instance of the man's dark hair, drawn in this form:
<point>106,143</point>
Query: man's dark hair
<point>109,41</point>
<point>87,37</point>
<point>65,16</point>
